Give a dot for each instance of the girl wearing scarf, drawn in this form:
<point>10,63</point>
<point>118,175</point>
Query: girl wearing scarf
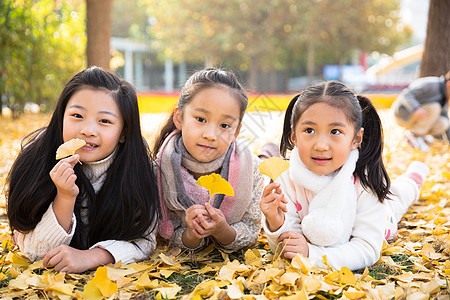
<point>199,139</point>
<point>336,198</point>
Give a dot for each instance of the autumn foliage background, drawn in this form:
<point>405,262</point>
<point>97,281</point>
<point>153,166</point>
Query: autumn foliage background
<point>415,266</point>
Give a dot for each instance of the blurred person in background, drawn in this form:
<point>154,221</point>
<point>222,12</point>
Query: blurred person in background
<point>422,108</point>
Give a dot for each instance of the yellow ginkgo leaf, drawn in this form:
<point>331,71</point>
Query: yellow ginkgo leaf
<point>346,276</point>
<point>91,291</point>
<point>273,167</point>
<point>69,148</point>
<point>101,280</point>
<point>144,282</point>
<point>215,184</point>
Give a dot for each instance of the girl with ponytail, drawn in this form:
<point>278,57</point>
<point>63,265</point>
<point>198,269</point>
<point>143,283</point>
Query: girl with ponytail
<point>336,198</point>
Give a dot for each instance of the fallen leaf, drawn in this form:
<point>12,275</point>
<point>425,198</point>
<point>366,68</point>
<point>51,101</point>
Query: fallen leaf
<point>353,293</point>
<point>346,276</point>
<point>206,288</point>
<point>273,167</point>
<point>169,260</point>
<point>63,288</point>
<point>91,291</point>
<point>19,261</point>
<point>234,291</point>
<point>215,184</point>
<point>144,282</point>
<point>69,148</point>
<point>166,272</point>
<point>168,292</point>
<point>253,257</point>
<point>289,278</point>
<point>300,295</point>
<point>101,280</point>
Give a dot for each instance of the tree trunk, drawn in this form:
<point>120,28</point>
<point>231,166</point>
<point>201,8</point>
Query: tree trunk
<point>98,27</point>
<point>436,55</point>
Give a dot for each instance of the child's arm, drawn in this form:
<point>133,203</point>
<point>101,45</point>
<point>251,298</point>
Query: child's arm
<point>291,224</point>
<point>47,235</point>
<point>68,259</point>
<point>273,206</point>
<point>129,251</point>
<point>63,176</point>
<point>58,222</point>
<point>291,221</point>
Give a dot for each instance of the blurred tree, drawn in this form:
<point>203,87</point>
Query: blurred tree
<point>130,21</point>
<point>334,30</point>
<point>258,35</point>
<point>436,55</point>
<point>41,46</point>
<point>98,29</point>
<point>247,32</point>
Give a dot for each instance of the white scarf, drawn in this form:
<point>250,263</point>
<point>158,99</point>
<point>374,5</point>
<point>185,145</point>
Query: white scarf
<point>332,211</point>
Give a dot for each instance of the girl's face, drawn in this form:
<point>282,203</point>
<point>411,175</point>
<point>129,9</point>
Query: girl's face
<point>324,138</point>
<point>93,116</point>
<point>209,124</point>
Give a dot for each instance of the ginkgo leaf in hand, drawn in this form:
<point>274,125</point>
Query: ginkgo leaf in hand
<point>69,148</point>
<point>215,184</point>
<point>273,167</point>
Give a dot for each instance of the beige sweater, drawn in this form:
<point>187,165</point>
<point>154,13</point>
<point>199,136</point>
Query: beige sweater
<point>49,234</point>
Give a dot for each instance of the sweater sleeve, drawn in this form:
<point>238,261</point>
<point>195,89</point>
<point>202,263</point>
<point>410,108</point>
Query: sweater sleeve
<point>130,251</point>
<point>47,235</point>
<point>364,247</point>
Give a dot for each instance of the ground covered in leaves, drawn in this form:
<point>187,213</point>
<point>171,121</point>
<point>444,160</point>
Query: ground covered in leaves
<point>414,266</point>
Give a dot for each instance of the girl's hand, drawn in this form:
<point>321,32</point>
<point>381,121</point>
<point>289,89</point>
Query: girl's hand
<point>191,237</point>
<point>68,259</point>
<point>215,224</point>
<point>293,243</point>
<point>273,206</point>
<point>63,176</point>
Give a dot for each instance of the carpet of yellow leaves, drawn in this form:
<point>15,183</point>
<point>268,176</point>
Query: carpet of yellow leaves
<point>415,266</point>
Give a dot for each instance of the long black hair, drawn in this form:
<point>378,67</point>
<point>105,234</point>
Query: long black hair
<point>197,82</point>
<point>362,114</point>
<point>125,208</point>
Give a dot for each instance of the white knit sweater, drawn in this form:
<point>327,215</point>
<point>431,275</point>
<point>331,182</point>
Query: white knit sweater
<point>49,234</point>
